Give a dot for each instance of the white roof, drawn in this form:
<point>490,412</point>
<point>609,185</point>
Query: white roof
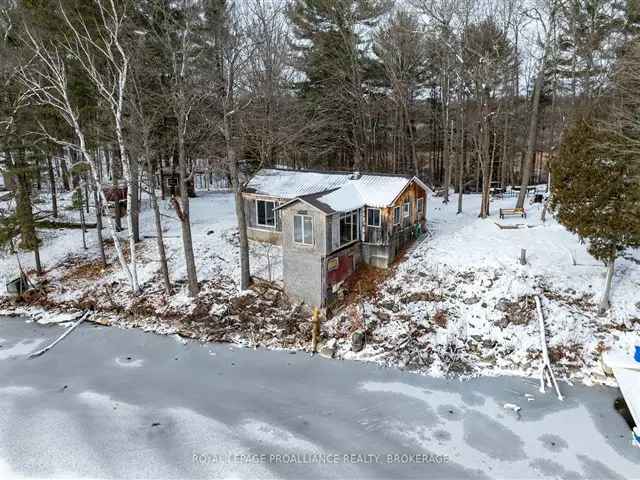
<point>345,193</point>
<point>370,190</point>
<point>343,199</point>
<point>294,183</point>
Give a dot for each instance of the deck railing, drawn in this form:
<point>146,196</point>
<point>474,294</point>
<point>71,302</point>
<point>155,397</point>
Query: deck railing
<point>375,235</point>
<point>384,236</point>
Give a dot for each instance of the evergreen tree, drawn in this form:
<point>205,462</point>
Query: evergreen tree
<point>18,229</point>
<point>334,59</point>
<point>597,196</point>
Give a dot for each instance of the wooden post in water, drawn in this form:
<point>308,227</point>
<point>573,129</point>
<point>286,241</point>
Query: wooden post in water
<point>315,331</point>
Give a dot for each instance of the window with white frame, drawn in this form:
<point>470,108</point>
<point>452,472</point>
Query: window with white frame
<point>303,229</point>
<point>396,215</point>
<point>348,227</point>
<point>265,213</point>
<point>406,210</point>
<point>373,217</point>
<point>420,205</point>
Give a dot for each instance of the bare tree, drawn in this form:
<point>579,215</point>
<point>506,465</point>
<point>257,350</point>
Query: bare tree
<point>106,63</point>
<point>532,135</point>
<point>147,110</point>
<point>401,48</point>
<point>486,57</point>
<point>442,14</point>
<point>46,83</point>
<point>235,48</point>
<point>185,90</point>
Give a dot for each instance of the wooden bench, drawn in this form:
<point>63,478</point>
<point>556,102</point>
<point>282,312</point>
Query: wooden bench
<point>505,212</point>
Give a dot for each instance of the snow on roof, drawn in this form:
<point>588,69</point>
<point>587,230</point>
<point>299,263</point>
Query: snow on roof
<point>343,192</point>
<point>294,183</point>
<point>343,199</point>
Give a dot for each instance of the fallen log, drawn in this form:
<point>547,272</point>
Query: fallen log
<point>59,339</point>
<point>56,224</point>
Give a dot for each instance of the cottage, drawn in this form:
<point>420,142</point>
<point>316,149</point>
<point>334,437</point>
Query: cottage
<point>330,223</point>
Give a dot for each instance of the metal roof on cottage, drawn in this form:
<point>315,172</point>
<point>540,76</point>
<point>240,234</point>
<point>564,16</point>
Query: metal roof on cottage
<point>290,184</point>
<point>331,192</point>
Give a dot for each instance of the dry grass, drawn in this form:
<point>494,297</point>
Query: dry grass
<point>365,282</point>
<point>440,318</point>
<point>86,270</point>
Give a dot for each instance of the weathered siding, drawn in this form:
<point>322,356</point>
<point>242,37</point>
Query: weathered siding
<point>349,260</point>
<point>382,253</point>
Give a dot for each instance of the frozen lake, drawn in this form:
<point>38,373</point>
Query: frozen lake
<point>111,403</point>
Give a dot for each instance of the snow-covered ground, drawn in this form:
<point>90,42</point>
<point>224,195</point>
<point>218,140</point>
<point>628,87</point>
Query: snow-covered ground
<point>145,406</point>
<point>466,302</point>
<point>460,302</point>
<point>215,244</point>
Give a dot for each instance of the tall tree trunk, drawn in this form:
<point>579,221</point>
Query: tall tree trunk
<point>505,152</point>
<point>96,179</point>
<point>24,209</point>
<point>605,302</point>
<point>116,175</point>
<point>132,191</point>
<point>183,212</point>
<point>86,192</point>
<point>446,160</point>
<point>81,212</point>
<point>486,180</point>
<point>135,199</point>
<point>65,172</point>
<point>232,161</point>
<point>532,135</point>
<point>164,267</point>
<point>98,205</point>
<point>245,271</point>
<point>461,158</point>
<point>52,185</point>
<point>446,154</point>
<point>163,182</point>
<point>36,257</point>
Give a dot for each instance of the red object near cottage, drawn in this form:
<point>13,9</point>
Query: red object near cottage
<point>342,271</point>
<point>113,193</point>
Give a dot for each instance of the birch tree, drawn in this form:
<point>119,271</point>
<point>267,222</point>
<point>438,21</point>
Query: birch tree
<point>46,82</point>
<point>103,58</point>
<point>147,111</point>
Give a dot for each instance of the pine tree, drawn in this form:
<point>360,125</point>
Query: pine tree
<point>597,196</point>
<point>19,225</point>
<point>334,59</point>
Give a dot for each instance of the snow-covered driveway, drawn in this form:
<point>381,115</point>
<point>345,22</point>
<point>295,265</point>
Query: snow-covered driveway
<point>110,403</point>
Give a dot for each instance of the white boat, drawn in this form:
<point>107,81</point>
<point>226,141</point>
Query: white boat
<point>627,372</point>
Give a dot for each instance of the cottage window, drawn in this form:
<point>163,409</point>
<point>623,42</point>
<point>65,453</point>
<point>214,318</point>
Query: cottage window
<point>348,227</point>
<point>373,217</point>
<point>303,229</point>
<point>406,210</point>
<point>396,215</point>
<point>265,213</point>
<point>420,205</point>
